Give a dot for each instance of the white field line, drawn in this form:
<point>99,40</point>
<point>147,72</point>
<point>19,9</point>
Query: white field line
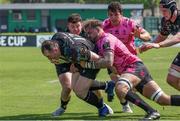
<point>53,81</point>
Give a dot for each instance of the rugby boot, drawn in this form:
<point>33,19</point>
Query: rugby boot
<point>105,110</point>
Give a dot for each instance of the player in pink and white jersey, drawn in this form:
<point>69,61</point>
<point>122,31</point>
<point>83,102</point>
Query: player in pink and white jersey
<point>133,73</point>
<point>123,57</point>
<point>125,30</point>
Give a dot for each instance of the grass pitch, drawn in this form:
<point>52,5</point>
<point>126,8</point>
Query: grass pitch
<point>29,90</point>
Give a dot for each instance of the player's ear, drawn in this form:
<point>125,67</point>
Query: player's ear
<point>98,29</point>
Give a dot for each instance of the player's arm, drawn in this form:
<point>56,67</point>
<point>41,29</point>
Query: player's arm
<point>159,38</point>
<point>81,54</point>
<point>170,41</point>
<point>141,33</point>
<point>147,46</point>
<point>104,62</point>
<point>166,43</point>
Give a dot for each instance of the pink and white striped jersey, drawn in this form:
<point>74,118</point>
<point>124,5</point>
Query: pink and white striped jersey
<point>123,32</point>
<point>122,56</point>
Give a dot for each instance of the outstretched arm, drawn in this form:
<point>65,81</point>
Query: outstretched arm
<point>160,38</point>
<point>147,46</point>
<point>166,43</point>
<point>170,41</point>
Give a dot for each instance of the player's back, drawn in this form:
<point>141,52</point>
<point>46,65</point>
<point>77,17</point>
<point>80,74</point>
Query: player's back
<point>71,45</point>
<point>72,40</point>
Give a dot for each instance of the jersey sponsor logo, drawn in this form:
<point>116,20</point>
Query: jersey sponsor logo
<point>106,45</point>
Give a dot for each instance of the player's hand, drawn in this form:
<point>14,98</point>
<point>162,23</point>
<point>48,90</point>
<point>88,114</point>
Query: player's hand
<point>73,69</point>
<point>113,70</point>
<point>155,45</point>
<point>136,33</point>
<point>147,46</point>
<point>55,61</point>
<point>82,63</point>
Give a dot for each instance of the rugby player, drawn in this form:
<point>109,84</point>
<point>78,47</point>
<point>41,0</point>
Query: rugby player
<point>73,49</point>
<point>133,73</point>
<point>168,36</point>
<point>125,30</point>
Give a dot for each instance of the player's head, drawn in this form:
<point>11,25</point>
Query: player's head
<point>93,29</point>
<point>167,8</point>
<point>115,12</point>
<point>50,49</point>
<point>74,23</point>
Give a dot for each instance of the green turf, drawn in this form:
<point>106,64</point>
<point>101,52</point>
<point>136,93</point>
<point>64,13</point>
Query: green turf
<point>27,93</point>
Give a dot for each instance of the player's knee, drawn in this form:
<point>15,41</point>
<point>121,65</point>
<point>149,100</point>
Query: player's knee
<point>79,93</point>
<point>160,97</point>
<point>178,85</point>
<point>173,81</point>
<point>170,79</point>
<point>66,86</point>
<point>164,100</point>
<point>66,89</point>
<point>122,87</point>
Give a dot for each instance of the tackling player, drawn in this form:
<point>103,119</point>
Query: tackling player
<point>133,73</point>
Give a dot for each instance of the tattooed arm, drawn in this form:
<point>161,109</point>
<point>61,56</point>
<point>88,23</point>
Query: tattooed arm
<point>104,62</point>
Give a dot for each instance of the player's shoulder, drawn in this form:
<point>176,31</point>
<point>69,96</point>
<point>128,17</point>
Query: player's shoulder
<point>109,37</point>
<point>64,36</point>
<point>58,35</point>
<point>106,21</point>
<point>106,24</point>
<point>128,21</point>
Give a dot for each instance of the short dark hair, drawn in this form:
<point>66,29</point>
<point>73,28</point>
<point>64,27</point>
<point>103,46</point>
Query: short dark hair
<point>92,23</point>
<point>115,6</point>
<point>47,45</point>
<point>74,18</point>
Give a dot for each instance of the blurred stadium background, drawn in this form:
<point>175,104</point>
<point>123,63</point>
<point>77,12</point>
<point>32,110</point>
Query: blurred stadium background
<point>26,90</point>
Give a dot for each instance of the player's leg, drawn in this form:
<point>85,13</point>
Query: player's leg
<point>98,93</point>
<point>124,90</point>
<point>108,86</point>
<point>173,77</point>
<point>134,77</point>
<point>125,104</point>
<point>81,89</point>
<point>151,89</point>
<point>154,92</point>
<point>65,81</point>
